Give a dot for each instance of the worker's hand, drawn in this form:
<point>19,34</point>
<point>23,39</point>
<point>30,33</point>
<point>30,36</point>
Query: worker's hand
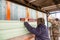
<point>26,20</point>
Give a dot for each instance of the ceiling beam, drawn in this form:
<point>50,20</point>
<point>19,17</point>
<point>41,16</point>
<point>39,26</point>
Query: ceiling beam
<point>56,2</point>
<point>26,4</point>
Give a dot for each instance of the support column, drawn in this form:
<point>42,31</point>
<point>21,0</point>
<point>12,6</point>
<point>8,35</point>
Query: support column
<point>27,13</point>
<point>36,14</point>
<point>8,11</point>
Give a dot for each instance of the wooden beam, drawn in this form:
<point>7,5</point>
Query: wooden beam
<point>27,13</point>
<point>36,14</point>
<point>26,5</point>
<point>8,11</point>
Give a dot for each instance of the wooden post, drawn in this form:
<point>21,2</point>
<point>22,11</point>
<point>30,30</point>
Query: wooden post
<point>8,11</point>
<point>43,15</point>
<point>27,13</point>
<point>36,14</point>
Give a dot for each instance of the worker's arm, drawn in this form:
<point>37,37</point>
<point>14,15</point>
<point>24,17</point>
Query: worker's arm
<point>31,29</point>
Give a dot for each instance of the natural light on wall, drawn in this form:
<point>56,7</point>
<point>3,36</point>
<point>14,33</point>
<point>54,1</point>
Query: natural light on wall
<point>58,15</point>
<point>55,14</point>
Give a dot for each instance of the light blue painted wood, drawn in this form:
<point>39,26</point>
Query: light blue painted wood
<point>2,9</point>
<point>32,13</point>
<point>10,29</point>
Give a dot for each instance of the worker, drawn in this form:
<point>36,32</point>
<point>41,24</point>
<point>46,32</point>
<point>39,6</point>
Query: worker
<point>40,32</point>
<point>54,29</point>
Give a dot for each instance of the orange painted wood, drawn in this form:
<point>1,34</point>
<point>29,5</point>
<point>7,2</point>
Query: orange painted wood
<point>8,11</point>
<point>27,13</point>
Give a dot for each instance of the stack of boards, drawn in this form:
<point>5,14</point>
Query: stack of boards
<point>10,29</point>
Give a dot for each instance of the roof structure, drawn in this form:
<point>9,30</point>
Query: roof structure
<point>40,5</point>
